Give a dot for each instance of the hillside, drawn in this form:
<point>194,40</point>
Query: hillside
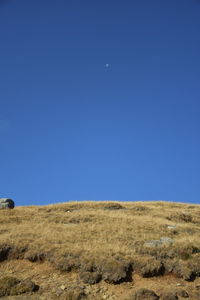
<point>100,250</point>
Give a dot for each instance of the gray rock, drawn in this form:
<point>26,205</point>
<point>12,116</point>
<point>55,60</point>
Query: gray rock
<point>166,240</point>
<point>161,241</point>
<point>171,226</point>
<point>153,243</point>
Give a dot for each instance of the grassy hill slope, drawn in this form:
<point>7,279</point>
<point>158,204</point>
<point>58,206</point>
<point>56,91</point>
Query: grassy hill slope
<point>100,250</point>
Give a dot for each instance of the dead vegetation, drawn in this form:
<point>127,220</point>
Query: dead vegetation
<point>99,244</point>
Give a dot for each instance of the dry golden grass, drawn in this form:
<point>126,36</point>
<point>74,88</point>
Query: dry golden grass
<point>94,232</point>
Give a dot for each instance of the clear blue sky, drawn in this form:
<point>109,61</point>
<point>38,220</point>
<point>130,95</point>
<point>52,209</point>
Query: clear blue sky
<point>72,128</point>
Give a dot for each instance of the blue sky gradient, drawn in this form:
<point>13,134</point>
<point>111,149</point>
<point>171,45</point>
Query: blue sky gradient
<point>72,128</point>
